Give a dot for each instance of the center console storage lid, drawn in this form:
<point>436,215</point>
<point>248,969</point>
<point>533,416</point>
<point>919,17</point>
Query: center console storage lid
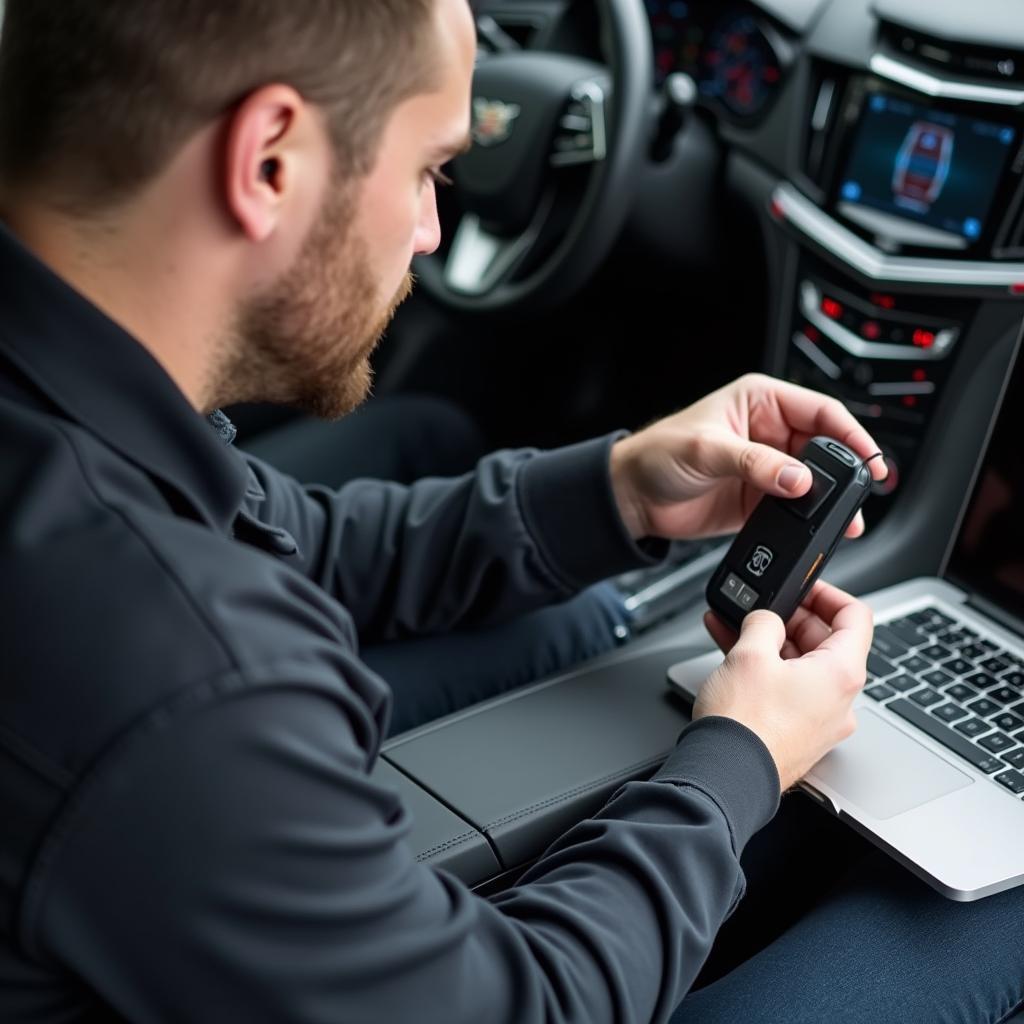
<point>525,768</point>
<point>439,837</point>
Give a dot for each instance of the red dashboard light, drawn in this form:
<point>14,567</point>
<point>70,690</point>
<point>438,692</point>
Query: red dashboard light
<point>924,339</point>
<point>812,334</point>
<point>1017,289</point>
<point>831,308</point>
<point>883,301</point>
<point>920,376</point>
<point>872,330</point>
<point>910,401</point>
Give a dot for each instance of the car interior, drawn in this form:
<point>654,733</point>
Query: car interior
<point>662,196</point>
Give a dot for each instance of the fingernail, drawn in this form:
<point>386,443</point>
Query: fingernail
<point>790,477</point>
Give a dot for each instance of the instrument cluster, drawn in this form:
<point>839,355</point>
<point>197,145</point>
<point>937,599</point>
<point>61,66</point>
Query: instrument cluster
<point>733,54</point>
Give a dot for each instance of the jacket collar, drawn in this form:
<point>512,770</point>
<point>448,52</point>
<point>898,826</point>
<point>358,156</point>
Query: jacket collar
<point>102,378</point>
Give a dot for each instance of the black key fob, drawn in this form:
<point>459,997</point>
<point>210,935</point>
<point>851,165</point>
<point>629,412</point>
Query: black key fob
<point>787,542</point>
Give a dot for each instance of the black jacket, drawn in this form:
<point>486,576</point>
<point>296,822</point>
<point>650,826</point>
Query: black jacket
<point>187,827</point>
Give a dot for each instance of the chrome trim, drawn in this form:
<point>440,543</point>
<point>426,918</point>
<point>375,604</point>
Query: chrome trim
<point>943,88</point>
<point>899,388</point>
<point>799,211</point>
<point>810,307</point>
<point>478,259</point>
<point>592,97</point>
<point>901,230</point>
<point>822,109</point>
<point>816,356</point>
<point>687,571</point>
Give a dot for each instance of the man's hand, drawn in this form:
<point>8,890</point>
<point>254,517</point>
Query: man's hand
<point>701,472</point>
<point>793,685</point>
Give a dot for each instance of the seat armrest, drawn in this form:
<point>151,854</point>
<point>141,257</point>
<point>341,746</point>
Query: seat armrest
<point>525,768</point>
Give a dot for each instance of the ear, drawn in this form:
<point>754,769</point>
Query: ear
<point>266,157</point>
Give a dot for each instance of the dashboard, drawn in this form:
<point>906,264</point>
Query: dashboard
<point>863,160</point>
<point>735,56</point>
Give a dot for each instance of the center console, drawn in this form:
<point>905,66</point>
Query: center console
<point>907,214</point>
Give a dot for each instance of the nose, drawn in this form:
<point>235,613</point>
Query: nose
<point>428,230</point>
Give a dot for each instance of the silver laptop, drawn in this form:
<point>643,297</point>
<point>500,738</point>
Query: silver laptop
<point>934,774</point>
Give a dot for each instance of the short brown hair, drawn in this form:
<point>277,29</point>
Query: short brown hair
<point>96,96</point>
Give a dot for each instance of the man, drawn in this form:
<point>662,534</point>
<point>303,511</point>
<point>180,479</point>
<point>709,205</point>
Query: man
<point>218,200</point>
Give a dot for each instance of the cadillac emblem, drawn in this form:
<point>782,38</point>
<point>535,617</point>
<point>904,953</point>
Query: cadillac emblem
<point>493,121</point>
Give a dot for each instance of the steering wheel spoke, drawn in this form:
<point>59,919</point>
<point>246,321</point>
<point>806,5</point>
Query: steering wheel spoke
<point>582,136</point>
<point>479,260</point>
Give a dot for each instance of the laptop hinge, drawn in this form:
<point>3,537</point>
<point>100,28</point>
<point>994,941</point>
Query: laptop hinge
<point>993,611</point>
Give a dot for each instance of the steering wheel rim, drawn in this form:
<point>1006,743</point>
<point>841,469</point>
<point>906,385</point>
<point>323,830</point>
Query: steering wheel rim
<point>619,96</point>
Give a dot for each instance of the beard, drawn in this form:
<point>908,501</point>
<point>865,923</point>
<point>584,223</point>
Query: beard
<point>307,340</point>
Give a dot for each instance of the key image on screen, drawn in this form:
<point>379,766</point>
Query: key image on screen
<point>923,176</point>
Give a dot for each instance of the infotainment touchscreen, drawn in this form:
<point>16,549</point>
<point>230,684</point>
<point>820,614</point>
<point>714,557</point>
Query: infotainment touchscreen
<point>923,176</point>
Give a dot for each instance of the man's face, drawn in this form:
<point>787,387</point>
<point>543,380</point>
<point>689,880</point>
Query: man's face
<point>308,339</point>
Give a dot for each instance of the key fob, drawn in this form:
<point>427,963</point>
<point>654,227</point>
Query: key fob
<point>787,542</point>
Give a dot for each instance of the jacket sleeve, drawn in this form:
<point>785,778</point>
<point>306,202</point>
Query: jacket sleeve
<point>214,869</point>
<point>524,530</point>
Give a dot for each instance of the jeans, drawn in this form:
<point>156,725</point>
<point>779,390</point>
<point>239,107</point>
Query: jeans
<point>435,676</point>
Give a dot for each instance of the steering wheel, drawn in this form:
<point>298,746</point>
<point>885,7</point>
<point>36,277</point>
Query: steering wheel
<point>546,188</point>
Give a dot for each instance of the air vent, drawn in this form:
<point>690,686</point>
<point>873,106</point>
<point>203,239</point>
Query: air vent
<point>981,63</point>
<point>826,99</point>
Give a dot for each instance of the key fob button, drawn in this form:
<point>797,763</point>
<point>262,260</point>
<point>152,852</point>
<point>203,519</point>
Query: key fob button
<point>822,486</point>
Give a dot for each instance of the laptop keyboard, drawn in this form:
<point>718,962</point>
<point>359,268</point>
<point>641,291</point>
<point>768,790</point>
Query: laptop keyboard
<point>961,689</point>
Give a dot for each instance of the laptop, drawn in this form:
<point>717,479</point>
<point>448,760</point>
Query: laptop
<point>934,774</point>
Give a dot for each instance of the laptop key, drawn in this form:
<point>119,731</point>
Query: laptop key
<point>1014,678</point>
<point>926,697</point>
<point>937,677</point>
<point>1012,780</point>
<point>956,635</point>
<point>981,680</point>
<point>958,666</point>
<point>916,664</point>
<point>936,652</point>
<point>974,651</point>
<point>930,726</point>
<point>1008,722</point>
<point>1015,757</point>
<point>879,666</point>
<point>907,632</point>
<point>960,692</point>
<point>984,707</point>
<point>949,713</point>
<point>995,664</point>
<point>941,619</point>
<point>1004,694</point>
<point>880,692</point>
<point>997,742</point>
<point>903,683</point>
<point>973,727</point>
<point>886,642</point>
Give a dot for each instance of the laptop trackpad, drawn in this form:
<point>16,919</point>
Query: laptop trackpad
<point>884,771</point>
